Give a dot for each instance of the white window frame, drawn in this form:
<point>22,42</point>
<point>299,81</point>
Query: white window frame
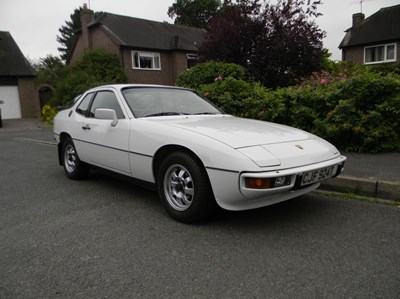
<point>191,57</point>
<point>152,55</point>
<point>385,60</point>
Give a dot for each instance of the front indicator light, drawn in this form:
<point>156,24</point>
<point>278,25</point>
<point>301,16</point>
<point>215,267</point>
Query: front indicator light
<point>267,183</point>
<point>258,183</point>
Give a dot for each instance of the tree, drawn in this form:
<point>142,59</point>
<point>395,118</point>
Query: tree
<point>277,43</point>
<point>49,70</point>
<point>234,34</point>
<point>194,13</point>
<point>67,32</point>
<point>94,68</point>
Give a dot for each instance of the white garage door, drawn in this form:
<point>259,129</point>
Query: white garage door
<point>11,107</point>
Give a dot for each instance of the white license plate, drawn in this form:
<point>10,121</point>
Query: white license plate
<point>314,176</point>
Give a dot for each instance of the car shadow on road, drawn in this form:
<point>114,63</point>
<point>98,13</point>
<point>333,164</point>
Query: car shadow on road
<point>298,210</point>
<point>307,208</point>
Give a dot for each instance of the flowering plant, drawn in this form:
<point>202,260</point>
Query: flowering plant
<point>48,114</point>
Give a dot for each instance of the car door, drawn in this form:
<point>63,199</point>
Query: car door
<point>106,145</point>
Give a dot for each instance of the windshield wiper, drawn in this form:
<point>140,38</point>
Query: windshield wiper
<point>163,114</point>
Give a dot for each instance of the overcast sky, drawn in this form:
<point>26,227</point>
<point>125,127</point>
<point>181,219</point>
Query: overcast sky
<point>34,24</point>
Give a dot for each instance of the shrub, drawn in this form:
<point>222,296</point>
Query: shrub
<point>366,116</point>
<point>244,99</point>
<point>94,68</point>
<point>48,114</point>
<point>357,108</point>
<point>206,73</point>
<point>360,113</point>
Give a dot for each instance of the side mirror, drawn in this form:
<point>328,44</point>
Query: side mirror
<point>104,113</point>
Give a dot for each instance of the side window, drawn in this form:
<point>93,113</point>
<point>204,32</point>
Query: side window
<point>84,105</point>
<point>106,99</point>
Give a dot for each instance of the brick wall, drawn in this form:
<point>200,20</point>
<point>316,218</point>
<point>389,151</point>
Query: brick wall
<point>356,54</point>
<point>78,50</point>
<point>179,63</point>
<point>100,40</point>
<point>172,64</point>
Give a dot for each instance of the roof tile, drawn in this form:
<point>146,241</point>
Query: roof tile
<point>12,61</point>
<point>146,34</point>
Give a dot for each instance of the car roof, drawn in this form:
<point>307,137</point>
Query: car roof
<point>122,86</point>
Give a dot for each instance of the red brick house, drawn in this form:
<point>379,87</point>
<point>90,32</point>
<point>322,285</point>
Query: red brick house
<point>18,96</point>
<point>150,52</point>
<point>373,40</point>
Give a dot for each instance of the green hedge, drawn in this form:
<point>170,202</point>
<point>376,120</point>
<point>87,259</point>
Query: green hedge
<point>244,99</point>
<point>208,72</point>
<point>359,114</point>
<point>362,114</point>
<point>357,111</point>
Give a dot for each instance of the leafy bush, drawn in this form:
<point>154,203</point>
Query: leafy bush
<point>94,68</point>
<point>360,113</point>
<point>335,71</point>
<point>48,114</point>
<point>366,115</point>
<point>243,99</point>
<point>356,108</point>
<point>49,70</point>
<point>207,72</point>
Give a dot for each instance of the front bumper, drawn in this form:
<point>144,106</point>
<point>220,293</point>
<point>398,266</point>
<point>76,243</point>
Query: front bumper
<point>294,173</point>
<point>231,193</point>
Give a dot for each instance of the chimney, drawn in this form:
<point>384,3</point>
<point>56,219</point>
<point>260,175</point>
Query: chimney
<point>358,18</point>
<point>87,17</point>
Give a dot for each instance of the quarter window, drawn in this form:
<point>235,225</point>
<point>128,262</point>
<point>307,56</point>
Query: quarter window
<point>106,99</point>
<point>380,54</point>
<point>84,105</point>
<point>146,60</point>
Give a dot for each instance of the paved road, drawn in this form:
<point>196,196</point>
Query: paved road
<point>104,238</point>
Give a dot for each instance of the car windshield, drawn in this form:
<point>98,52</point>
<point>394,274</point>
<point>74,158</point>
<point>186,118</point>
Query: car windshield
<point>158,101</point>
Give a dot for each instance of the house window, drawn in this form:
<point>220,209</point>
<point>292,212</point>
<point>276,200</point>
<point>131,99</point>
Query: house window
<point>192,60</point>
<point>380,54</point>
<point>146,60</point>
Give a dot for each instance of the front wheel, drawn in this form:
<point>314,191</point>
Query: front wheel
<point>73,167</point>
<point>184,188</point>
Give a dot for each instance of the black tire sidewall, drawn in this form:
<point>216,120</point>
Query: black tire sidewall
<point>203,202</point>
<point>81,171</point>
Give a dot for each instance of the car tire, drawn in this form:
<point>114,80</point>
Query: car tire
<point>184,188</point>
<point>74,168</point>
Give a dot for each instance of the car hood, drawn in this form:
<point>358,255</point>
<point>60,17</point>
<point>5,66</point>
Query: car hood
<point>240,132</point>
<point>267,144</point>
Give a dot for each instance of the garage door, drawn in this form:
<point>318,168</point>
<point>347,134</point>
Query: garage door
<point>10,108</point>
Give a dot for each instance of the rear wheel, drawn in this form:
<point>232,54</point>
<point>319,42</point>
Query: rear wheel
<point>73,167</point>
<point>184,188</point>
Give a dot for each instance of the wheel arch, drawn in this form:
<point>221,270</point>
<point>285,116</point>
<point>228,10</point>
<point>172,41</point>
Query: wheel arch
<point>63,137</point>
<point>164,151</point>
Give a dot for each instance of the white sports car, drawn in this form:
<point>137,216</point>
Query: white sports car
<point>197,156</point>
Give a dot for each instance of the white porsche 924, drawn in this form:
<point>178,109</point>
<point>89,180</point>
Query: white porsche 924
<point>197,156</point>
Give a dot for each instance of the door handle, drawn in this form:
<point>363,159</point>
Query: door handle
<point>87,127</point>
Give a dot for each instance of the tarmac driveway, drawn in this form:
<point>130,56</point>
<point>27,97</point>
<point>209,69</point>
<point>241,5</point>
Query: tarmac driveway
<point>104,238</point>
